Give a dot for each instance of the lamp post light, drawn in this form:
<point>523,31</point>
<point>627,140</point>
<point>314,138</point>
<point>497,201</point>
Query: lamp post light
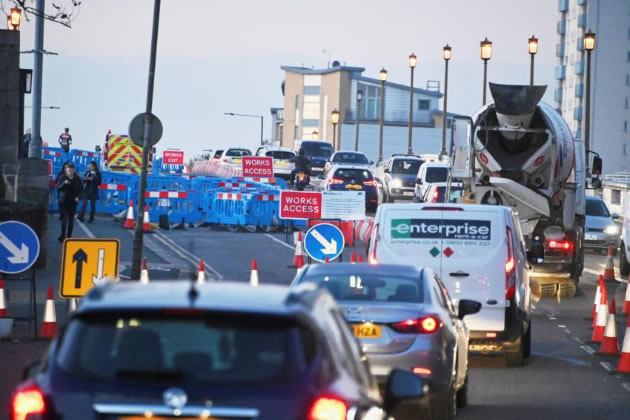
<point>14,19</point>
<point>486,54</point>
<point>413,60</point>
<point>532,49</point>
<point>359,98</point>
<point>383,77</point>
<point>589,46</point>
<point>315,135</point>
<point>446,55</point>
<point>334,118</point>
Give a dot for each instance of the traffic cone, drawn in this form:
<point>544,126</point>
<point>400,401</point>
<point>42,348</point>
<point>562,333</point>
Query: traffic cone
<point>353,258</point>
<point>610,346</point>
<point>602,317</point>
<point>185,171</point>
<point>598,295</point>
<point>326,261</point>
<point>360,259</point>
<point>3,303</point>
<point>130,222</point>
<point>144,272</point>
<point>609,271</point>
<point>298,256</point>
<point>300,265</point>
<point>253,277</point>
<point>602,291</point>
<point>146,223</point>
<point>49,325</point>
<point>626,303</point>
<point>201,274</point>
<point>624,360</point>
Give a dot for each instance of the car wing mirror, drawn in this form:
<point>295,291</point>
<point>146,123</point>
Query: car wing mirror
<point>403,385</point>
<point>616,216</point>
<point>418,181</point>
<point>467,307</point>
<point>387,171</point>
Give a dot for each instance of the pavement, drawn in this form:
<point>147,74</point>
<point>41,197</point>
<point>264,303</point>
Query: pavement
<point>564,378</point>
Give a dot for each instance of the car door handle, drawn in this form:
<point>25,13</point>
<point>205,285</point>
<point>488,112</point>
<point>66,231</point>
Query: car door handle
<point>458,274</point>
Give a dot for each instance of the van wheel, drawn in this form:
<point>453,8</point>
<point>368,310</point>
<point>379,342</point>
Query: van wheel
<point>514,358</point>
<point>624,266</point>
<point>527,344</point>
<point>462,394</point>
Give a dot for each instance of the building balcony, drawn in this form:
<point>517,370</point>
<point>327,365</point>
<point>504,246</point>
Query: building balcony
<point>577,113</point>
<point>398,118</point>
<point>563,5</point>
<point>557,94</point>
<point>560,49</point>
<point>561,27</point>
<point>579,90</point>
<point>578,67</point>
<point>581,2</point>
<point>561,72</point>
<point>581,21</point>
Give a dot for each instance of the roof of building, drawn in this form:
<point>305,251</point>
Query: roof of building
<point>304,70</point>
<point>274,110</point>
<point>401,86</point>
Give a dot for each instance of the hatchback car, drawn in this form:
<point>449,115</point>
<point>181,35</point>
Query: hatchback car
<point>403,318</point>
<point>283,160</point>
<point>600,230</point>
<point>436,193</point>
<point>353,178</point>
<point>398,177</point>
<point>217,350</point>
<point>348,158</point>
<point>233,156</point>
<point>217,156</point>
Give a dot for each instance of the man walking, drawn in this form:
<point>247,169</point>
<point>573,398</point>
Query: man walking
<point>69,188</point>
<point>65,140</point>
<point>91,184</point>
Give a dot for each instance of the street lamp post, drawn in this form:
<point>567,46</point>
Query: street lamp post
<point>446,55</point>
<point>532,48</point>
<point>334,118</point>
<point>413,60</point>
<point>232,114</point>
<point>383,77</point>
<point>356,139</point>
<point>486,54</point>
<point>589,46</point>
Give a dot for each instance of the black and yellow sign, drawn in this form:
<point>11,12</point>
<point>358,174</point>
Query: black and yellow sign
<point>86,262</point>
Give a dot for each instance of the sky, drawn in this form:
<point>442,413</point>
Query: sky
<point>225,56</point>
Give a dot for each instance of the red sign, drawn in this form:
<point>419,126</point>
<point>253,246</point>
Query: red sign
<point>50,168</point>
<point>173,157</point>
<point>258,166</point>
<point>300,205</point>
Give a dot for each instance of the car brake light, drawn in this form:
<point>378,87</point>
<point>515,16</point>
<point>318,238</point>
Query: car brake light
<point>328,408</point>
<point>436,196</point>
<point>27,401</point>
<point>371,183</point>
<point>224,160</point>
<point>562,245</point>
<point>422,371</point>
<point>335,181</point>
<point>510,286</point>
<point>373,243</point>
<point>425,325</point>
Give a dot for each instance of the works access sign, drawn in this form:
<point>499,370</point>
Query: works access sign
<point>300,205</point>
<point>478,230</point>
<point>258,166</point>
<point>173,157</point>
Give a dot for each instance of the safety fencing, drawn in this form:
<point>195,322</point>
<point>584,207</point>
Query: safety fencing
<point>212,168</point>
<point>80,158</point>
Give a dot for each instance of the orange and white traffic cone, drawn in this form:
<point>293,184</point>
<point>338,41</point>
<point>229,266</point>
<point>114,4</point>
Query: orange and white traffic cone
<point>253,277</point>
<point>146,223</point>
<point>360,259</point>
<point>326,260</point>
<point>49,325</point>
<point>598,295</point>
<point>609,271</point>
<point>144,272</point>
<point>602,317</point>
<point>299,267</point>
<point>626,303</point>
<point>353,258</point>
<point>3,302</point>
<point>201,274</point>
<point>299,255</point>
<point>130,222</point>
<point>610,346</point>
<point>602,289</point>
<point>624,360</point>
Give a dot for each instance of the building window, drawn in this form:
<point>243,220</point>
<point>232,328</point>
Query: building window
<point>627,103</point>
<point>424,104</point>
<point>311,90</point>
<point>306,122</point>
<point>625,126</point>
<point>371,102</point>
<point>615,197</point>
<point>625,150</point>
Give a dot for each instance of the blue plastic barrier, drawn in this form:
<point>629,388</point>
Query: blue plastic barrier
<point>82,159</point>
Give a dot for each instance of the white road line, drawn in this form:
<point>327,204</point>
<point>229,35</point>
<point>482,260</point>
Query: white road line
<point>561,326</point>
<point>626,385</point>
<point>279,241</point>
<point>588,349</point>
<point>85,229</point>
<point>567,330</point>
<point>606,366</point>
<point>578,340</point>
<point>194,259</point>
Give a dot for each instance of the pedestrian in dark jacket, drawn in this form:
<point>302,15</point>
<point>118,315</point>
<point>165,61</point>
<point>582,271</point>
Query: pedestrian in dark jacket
<point>59,175</point>
<point>69,189</point>
<point>91,184</point>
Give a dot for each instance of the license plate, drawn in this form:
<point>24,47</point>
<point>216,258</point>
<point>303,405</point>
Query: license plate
<point>367,330</point>
<point>281,163</point>
<point>408,193</point>
<point>353,187</point>
<point>236,160</point>
<point>590,237</point>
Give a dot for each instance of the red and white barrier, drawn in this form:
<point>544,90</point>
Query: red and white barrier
<point>165,194</point>
<point>363,229</point>
<point>113,187</point>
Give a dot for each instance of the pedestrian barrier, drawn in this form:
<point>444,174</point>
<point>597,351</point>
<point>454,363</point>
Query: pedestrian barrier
<point>82,158</point>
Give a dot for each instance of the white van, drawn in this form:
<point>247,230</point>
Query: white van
<point>479,252</point>
<point>429,174</point>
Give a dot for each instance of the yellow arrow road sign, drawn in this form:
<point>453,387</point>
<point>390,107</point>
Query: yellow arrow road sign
<point>85,262</point>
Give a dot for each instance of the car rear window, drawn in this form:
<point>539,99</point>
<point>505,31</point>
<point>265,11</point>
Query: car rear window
<point>596,208</point>
<point>437,174</point>
<point>319,149</point>
<point>238,152</point>
<point>455,193</point>
<point>280,154</point>
<point>406,166</point>
<point>193,349</point>
<point>358,158</point>
<point>353,174</point>
<point>370,287</point>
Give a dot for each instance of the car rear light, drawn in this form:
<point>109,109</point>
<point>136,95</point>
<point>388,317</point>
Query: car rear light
<point>436,196</point>
<point>224,160</point>
<point>422,371</point>
<point>370,183</point>
<point>425,325</point>
<point>373,243</point>
<point>328,408</point>
<point>561,245</point>
<point>27,401</point>
<point>510,286</point>
<point>335,181</point>
<point>491,335</point>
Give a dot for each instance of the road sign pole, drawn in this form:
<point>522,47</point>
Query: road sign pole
<point>136,260</point>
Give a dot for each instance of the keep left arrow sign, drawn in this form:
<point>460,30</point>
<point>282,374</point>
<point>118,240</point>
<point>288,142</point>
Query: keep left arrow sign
<point>20,255</point>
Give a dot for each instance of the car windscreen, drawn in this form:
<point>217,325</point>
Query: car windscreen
<point>357,175</point>
<point>358,158</point>
<point>318,149</point>
<point>280,154</point>
<point>437,174</point>
<point>596,208</point>
<point>238,152</point>
<point>207,349</point>
<point>370,287</point>
<point>406,166</point>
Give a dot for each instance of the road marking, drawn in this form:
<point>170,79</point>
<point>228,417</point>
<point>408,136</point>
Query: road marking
<point>279,241</point>
<point>578,340</point>
<point>606,366</point>
<point>85,229</point>
<point>626,385</point>
<point>192,258</point>
<point>561,326</point>
<point>533,307</point>
<point>588,349</point>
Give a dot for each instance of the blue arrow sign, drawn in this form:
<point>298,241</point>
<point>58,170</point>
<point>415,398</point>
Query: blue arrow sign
<point>19,247</point>
<point>324,240</point>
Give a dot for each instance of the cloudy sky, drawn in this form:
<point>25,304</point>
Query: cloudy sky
<point>225,56</point>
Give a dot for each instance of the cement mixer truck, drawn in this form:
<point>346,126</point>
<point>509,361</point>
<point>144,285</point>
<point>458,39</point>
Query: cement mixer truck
<point>519,152</point>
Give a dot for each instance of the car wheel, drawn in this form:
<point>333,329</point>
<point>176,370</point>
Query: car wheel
<point>514,357</point>
<point>527,344</point>
<point>624,266</point>
<point>462,394</point>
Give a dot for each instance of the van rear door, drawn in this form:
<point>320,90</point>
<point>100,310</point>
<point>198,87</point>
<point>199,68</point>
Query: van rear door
<point>474,250</point>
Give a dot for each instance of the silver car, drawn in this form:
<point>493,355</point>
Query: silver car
<point>404,318</point>
<point>601,231</point>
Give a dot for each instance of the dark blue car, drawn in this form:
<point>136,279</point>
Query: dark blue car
<point>354,178</point>
<point>318,153</point>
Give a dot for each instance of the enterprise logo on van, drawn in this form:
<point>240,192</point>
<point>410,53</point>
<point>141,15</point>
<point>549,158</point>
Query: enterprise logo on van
<point>438,228</point>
